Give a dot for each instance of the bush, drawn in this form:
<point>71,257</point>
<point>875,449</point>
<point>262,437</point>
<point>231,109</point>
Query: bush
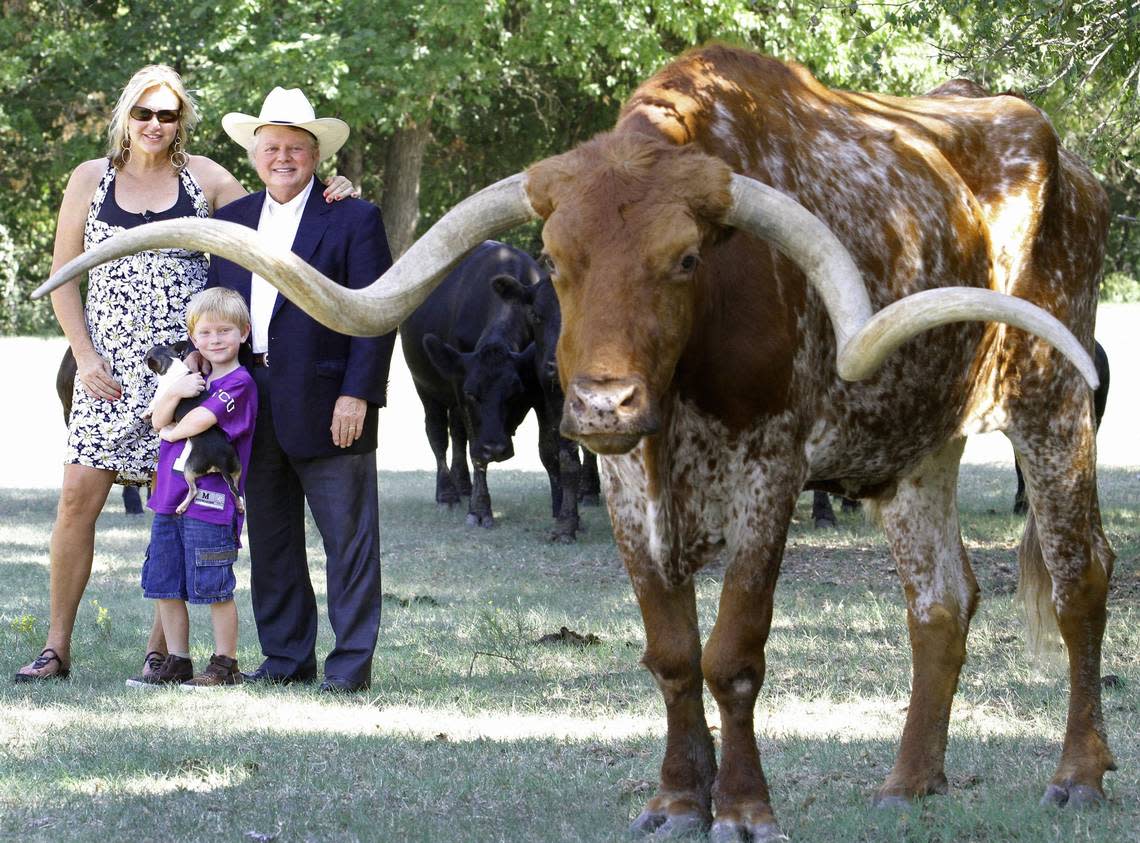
<point>1120,287</point>
<point>18,313</point>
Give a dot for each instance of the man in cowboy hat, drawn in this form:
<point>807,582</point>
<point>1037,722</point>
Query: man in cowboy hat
<point>318,394</point>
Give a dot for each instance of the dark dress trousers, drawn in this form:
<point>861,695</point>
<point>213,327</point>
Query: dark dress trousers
<point>294,460</point>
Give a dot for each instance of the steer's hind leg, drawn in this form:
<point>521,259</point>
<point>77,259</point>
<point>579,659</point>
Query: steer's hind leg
<point>921,523</point>
<point>673,656</point>
<point>1066,562</point>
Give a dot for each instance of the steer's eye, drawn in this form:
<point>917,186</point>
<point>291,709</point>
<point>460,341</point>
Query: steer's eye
<point>547,264</point>
<point>689,263</point>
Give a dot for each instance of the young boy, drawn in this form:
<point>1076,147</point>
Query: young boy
<point>191,556</point>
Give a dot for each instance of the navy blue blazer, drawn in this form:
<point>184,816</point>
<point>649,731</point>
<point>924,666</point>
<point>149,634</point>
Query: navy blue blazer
<point>310,365</point>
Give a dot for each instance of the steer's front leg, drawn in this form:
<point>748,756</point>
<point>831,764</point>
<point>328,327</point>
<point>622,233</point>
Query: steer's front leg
<point>673,656</point>
<point>734,667</point>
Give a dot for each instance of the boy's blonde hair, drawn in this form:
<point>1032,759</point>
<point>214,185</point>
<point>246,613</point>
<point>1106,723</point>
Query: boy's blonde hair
<point>221,303</point>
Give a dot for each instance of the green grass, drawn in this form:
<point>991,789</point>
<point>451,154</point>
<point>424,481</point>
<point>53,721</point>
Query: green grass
<point>473,732</point>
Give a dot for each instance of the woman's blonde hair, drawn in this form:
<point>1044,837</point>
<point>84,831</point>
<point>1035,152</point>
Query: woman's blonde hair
<point>152,76</point>
<point>219,302</point>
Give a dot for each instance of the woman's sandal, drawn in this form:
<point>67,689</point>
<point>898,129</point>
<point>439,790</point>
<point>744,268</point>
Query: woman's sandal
<point>43,660</point>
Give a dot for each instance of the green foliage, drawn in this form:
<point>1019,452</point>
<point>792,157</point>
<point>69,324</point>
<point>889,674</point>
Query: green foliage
<point>1120,287</point>
<point>502,83</point>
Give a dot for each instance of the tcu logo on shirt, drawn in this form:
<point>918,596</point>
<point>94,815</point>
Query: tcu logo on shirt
<point>225,398</point>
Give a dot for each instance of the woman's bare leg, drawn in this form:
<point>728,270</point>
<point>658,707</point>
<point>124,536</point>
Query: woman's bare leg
<point>72,547</point>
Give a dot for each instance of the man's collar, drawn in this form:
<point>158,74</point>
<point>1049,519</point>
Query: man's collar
<point>294,206</point>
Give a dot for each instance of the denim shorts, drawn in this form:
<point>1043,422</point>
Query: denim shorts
<point>189,560</point>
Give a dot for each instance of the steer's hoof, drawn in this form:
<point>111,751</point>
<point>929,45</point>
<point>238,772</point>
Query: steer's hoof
<point>476,520</point>
<point>667,826</point>
<point>826,522</point>
<point>728,831</point>
<point>1076,796</point>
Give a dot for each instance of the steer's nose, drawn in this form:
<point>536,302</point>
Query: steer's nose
<point>613,405</point>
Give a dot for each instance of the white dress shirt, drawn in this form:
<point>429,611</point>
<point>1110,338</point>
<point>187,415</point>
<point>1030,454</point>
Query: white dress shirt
<point>278,224</point>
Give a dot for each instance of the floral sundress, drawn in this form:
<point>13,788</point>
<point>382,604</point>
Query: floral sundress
<point>133,303</point>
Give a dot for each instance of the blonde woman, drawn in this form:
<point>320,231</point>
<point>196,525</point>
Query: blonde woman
<point>133,303</point>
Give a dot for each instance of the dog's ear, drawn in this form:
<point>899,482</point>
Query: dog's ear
<point>182,348</point>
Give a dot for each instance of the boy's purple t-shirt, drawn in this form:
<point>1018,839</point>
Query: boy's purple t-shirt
<point>233,401</point>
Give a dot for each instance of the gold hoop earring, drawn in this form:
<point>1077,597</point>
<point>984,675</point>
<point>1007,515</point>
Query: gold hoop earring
<point>125,147</point>
<point>178,158</point>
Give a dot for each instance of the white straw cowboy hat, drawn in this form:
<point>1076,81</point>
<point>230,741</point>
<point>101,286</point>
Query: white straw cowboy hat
<point>287,108</point>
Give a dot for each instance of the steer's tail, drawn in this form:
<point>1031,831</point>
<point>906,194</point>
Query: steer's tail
<point>1035,585</point>
<point>1035,588</point>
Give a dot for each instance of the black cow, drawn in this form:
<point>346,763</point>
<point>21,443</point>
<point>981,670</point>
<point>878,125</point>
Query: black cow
<point>822,515</point>
<point>472,357</point>
<point>574,479</point>
<point>64,387</point>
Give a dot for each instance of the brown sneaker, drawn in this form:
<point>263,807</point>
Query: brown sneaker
<point>222,670</point>
<point>174,671</point>
<point>152,664</point>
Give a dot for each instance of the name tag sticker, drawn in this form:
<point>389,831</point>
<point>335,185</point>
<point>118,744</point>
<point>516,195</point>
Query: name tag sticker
<point>210,500</point>
<point>180,463</point>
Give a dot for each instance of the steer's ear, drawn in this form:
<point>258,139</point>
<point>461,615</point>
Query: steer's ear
<point>445,358</point>
<point>511,290</point>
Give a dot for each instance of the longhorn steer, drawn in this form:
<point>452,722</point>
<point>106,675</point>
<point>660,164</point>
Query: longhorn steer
<point>718,258</point>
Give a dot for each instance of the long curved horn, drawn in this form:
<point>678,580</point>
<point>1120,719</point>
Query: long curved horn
<point>863,341</point>
<point>899,321</point>
<point>373,310</point>
<point>803,237</point>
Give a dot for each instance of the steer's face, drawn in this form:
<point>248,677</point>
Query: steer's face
<point>626,220</point>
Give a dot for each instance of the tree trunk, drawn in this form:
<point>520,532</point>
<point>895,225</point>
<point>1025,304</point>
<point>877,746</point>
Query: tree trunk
<point>402,166</point>
<point>350,159</point>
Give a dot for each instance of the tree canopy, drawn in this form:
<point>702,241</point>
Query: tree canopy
<point>444,97</point>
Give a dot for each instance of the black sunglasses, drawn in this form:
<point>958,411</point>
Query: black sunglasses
<point>165,115</point>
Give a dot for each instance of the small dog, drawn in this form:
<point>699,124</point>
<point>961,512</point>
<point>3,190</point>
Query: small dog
<point>208,452</point>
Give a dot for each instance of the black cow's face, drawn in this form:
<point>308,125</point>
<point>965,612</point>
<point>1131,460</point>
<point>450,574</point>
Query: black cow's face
<point>493,384</point>
<point>540,306</point>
